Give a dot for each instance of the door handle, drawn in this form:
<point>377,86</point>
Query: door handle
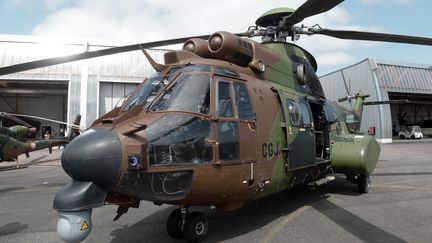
<point>251,125</point>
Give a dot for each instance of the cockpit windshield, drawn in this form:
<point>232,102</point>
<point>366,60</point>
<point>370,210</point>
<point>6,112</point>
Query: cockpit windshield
<point>190,93</point>
<point>146,92</point>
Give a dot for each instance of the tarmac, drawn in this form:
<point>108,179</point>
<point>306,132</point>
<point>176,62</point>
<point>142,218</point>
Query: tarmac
<point>39,157</point>
<point>398,207</point>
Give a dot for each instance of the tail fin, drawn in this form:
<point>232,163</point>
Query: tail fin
<point>358,109</point>
<point>74,131</point>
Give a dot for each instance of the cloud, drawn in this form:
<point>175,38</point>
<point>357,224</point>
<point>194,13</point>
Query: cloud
<point>146,20</point>
<point>334,58</point>
<point>132,21</point>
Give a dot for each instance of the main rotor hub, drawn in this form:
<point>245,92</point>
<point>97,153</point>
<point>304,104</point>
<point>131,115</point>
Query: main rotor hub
<point>273,27</point>
<point>273,17</point>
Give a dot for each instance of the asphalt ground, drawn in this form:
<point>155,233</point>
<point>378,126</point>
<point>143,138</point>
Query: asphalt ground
<point>398,207</point>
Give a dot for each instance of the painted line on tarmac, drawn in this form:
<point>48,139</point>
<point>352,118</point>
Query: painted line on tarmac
<point>44,166</point>
<point>407,187</point>
<point>39,189</point>
<point>284,222</point>
<point>399,182</point>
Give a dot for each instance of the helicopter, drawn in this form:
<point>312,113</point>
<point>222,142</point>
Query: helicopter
<point>15,140</point>
<point>224,121</point>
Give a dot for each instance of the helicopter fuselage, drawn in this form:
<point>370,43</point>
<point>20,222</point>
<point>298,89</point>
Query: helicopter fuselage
<point>219,126</point>
<point>213,157</point>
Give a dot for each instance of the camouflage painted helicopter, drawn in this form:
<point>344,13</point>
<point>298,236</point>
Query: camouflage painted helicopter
<point>15,140</point>
<point>223,122</point>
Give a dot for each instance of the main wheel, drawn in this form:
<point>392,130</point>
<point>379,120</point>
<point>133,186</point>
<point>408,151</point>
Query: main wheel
<point>363,183</point>
<point>174,224</point>
<point>196,227</point>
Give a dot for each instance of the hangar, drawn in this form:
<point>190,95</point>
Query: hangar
<point>386,80</point>
<point>90,87</point>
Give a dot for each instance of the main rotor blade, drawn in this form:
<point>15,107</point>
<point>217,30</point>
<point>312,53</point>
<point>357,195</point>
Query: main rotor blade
<point>372,36</point>
<point>311,8</point>
<point>15,119</point>
<point>418,102</point>
<point>91,54</point>
<point>43,119</point>
<point>386,102</point>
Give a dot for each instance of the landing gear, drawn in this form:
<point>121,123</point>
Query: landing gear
<point>192,226</point>
<point>174,224</point>
<point>363,183</point>
<point>196,227</point>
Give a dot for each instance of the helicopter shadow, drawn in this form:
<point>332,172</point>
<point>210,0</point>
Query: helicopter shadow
<point>12,228</point>
<point>223,225</point>
<point>257,214</point>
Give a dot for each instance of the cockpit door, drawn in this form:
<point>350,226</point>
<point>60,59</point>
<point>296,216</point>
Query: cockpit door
<point>299,131</point>
<point>235,122</point>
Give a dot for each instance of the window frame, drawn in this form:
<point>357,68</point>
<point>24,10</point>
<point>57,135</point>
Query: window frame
<point>235,118</point>
<point>300,116</point>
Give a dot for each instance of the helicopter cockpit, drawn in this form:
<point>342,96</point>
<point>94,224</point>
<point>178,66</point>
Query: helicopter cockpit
<point>185,133</point>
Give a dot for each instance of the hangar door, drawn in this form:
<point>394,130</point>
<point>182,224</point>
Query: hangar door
<point>111,92</point>
<point>417,111</point>
<point>44,98</point>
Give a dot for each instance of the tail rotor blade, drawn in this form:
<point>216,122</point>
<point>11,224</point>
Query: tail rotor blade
<point>343,99</point>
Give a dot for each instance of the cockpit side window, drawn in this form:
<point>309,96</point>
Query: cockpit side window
<point>306,118</point>
<point>229,140</point>
<point>295,113</point>
<point>224,105</point>
<point>243,102</point>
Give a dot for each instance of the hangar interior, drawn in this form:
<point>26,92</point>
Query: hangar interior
<point>409,85</point>
<point>36,97</point>
<point>61,92</point>
<point>417,112</point>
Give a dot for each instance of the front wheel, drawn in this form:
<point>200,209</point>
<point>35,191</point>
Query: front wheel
<point>196,227</point>
<point>174,224</point>
<point>363,183</point>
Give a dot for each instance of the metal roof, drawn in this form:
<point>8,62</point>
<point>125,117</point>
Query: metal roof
<point>404,77</point>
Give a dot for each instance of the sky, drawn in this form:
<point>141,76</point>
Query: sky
<point>131,21</point>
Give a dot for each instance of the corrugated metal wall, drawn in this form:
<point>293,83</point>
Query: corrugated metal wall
<point>130,67</point>
<point>358,77</point>
<point>377,78</point>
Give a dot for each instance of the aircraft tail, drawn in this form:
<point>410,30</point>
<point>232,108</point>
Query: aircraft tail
<point>360,97</point>
<point>75,131</point>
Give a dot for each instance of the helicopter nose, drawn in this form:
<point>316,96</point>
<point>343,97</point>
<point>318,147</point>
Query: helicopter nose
<point>94,156</point>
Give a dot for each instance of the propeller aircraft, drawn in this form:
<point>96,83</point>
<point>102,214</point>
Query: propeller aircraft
<point>224,121</point>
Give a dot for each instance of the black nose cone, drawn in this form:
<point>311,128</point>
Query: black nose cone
<point>94,156</point>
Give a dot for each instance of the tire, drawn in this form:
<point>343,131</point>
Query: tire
<point>401,136</point>
<point>363,183</point>
<point>174,224</point>
<point>412,137</point>
<point>196,227</point>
